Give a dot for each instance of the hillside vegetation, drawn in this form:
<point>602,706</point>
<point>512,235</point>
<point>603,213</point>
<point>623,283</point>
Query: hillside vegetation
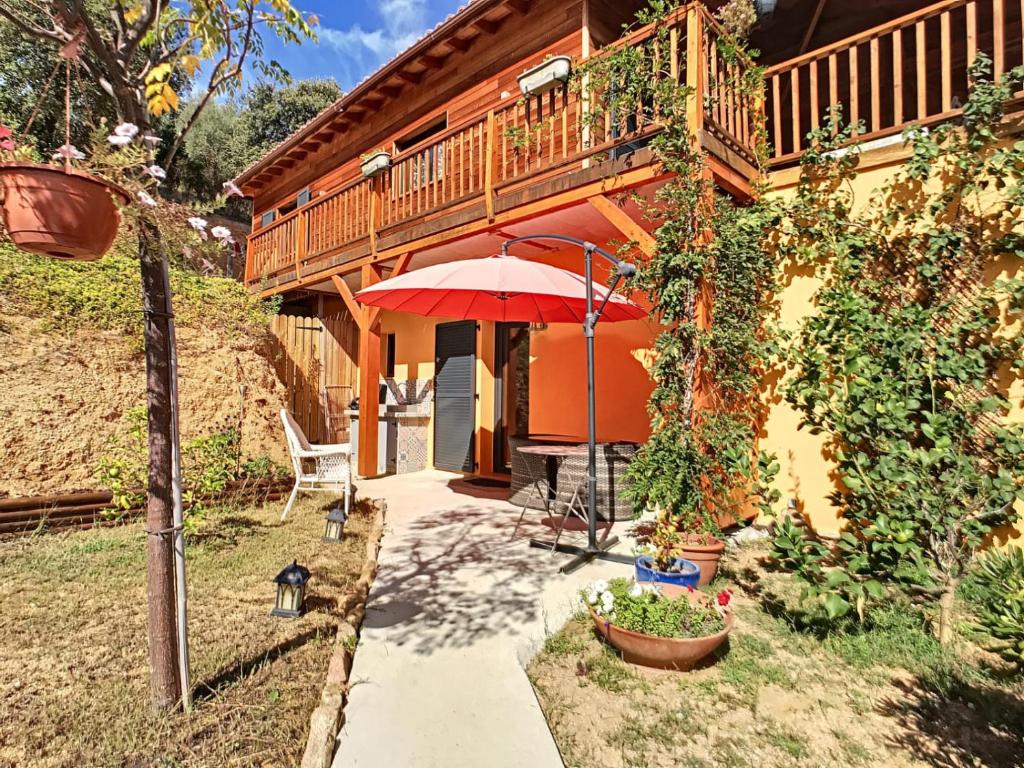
<point>71,366</point>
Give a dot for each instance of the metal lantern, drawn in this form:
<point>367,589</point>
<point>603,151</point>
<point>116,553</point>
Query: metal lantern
<point>291,591</point>
<point>335,528</point>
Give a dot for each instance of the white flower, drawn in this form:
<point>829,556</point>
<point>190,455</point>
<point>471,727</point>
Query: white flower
<point>601,585</point>
<point>152,140</point>
<point>128,130</point>
<point>197,223</point>
<point>68,152</point>
<point>221,233</point>
<point>651,589</point>
<point>636,590</point>
<point>155,171</point>
<point>146,199</point>
<point>607,602</point>
<point>230,189</point>
<point>119,141</point>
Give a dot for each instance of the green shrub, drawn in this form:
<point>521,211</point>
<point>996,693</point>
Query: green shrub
<point>642,608</point>
<point>106,294</point>
<point>997,591</point>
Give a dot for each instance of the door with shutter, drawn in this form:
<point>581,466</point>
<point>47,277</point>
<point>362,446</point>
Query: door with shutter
<point>455,396</point>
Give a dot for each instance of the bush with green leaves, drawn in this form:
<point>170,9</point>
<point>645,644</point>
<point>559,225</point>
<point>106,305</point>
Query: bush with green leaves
<point>903,365</point>
<point>643,608</point>
<point>208,464</point>
<point>997,592</point>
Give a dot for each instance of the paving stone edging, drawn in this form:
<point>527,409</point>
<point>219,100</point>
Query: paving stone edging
<point>326,721</point>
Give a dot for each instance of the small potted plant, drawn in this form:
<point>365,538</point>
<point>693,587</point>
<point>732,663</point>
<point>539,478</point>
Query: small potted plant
<point>659,625</point>
<point>375,163</point>
<point>673,550</point>
<point>550,73</point>
<point>56,210</point>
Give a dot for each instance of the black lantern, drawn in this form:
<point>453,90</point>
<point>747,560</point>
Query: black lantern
<point>335,528</point>
<point>291,590</point>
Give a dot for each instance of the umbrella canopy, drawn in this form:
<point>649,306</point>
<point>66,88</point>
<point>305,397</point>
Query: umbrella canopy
<point>499,288</point>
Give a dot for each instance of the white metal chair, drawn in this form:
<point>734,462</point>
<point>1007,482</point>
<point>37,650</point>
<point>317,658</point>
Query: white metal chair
<point>328,465</point>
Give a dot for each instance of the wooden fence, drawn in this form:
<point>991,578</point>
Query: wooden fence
<point>318,363</point>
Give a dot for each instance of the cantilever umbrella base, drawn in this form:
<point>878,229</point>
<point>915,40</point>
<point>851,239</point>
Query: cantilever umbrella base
<point>584,554</point>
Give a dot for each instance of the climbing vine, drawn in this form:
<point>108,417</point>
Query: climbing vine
<point>906,365</point>
<point>709,282</point>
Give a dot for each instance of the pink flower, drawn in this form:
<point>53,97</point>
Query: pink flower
<point>68,152</point>
<point>7,144</point>
<point>126,129</point>
<point>155,171</point>
<point>231,189</point>
<point>221,233</point>
<point>146,199</point>
<point>152,140</point>
<point>119,141</point>
<point>5,132</point>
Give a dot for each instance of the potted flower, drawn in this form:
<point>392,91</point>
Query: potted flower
<point>679,551</point>
<point>56,210</point>
<point>659,625</point>
<point>374,163</point>
<point>550,73</point>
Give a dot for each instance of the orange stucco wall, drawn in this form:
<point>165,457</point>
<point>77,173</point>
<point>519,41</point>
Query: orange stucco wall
<point>806,472</point>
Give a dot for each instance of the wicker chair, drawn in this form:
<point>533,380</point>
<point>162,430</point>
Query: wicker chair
<point>319,468</point>
<point>525,469</point>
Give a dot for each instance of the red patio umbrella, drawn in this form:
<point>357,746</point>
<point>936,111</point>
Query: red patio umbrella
<point>499,288</point>
<point>505,288</point>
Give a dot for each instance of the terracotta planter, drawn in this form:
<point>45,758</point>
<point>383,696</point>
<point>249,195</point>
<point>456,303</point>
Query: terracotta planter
<point>663,652</point>
<point>705,551</point>
<point>65,215</point>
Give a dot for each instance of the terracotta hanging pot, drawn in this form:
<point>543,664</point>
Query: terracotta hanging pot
<point>58,213</point>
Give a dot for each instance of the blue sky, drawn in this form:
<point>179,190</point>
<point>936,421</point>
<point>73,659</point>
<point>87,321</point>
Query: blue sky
<point>357,36</point>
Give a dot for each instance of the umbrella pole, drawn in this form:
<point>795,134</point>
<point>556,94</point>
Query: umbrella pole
<point>593,550</point>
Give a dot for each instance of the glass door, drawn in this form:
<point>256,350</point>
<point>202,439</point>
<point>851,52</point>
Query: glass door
<point>512,389</point>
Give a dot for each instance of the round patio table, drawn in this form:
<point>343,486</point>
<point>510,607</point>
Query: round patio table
<point>555,453</point>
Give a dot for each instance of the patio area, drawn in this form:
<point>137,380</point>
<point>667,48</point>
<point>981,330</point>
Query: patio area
<point>457,611</point>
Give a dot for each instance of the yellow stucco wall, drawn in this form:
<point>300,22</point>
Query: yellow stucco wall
<point>806,473</point>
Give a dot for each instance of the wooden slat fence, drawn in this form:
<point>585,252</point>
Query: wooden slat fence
<point>318,363</point>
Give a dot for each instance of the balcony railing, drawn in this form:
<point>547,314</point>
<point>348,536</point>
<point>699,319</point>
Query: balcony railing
<point>912,70</point>
<point>503,148</point>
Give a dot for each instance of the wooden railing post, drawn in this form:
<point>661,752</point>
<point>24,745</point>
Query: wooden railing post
<point>301,240</point>
<point>489,158</point>
<point>249,266</point>
<point>376,199</point>
<point>694,71</point>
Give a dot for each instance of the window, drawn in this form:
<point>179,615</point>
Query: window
<point>302,198</point>
<point>428,162</point>
<point>267,217</point>
<point>389,357</point>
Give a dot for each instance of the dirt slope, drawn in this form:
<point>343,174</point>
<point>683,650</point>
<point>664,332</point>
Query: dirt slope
<point>63,398</point>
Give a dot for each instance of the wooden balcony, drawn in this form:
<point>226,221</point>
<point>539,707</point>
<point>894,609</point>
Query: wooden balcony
<point>912,70</point>
<point>521,152</point>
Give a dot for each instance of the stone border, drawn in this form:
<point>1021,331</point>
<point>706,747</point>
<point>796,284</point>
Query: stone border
<point>326,721</point>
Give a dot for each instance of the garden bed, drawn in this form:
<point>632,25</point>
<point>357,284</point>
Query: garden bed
<point>777,698</point>
<point>73,655</point>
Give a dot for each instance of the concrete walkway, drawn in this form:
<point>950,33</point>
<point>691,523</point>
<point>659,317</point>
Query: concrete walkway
<point>455,614</point>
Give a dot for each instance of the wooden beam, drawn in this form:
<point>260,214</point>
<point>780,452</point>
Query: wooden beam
<point>369,384</point>
<point>391,91</point>
<point>354,307</point>
<point>401,264</point>
<point>812,26</point>
<point>623,222</point>
<point>521,7</point>
<point>432,62</point>
<point>412,78</point>
<point>486,25</point>
<point>373,104</point>
<point>458,44</point>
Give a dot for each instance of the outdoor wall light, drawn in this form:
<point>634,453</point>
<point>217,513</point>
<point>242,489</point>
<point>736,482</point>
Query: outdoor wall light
<point>334,531</point>
<point>291,591</point>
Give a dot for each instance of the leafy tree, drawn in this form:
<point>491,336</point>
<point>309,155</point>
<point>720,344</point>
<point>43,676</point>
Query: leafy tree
<point>212,153</point>
<point>905,364</point>
<point>137,53</point>
<point>271,114</point>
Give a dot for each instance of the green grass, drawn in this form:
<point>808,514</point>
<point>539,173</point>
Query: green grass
<point>609,673</point>
<point>747,666</point>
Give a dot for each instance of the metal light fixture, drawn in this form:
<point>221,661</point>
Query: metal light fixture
<point>334,531</point>
<point>291,591</point>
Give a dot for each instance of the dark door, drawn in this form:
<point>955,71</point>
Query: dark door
<point>455,396</point>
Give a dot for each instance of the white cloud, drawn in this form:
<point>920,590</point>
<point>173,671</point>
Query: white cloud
<point>363,50</point>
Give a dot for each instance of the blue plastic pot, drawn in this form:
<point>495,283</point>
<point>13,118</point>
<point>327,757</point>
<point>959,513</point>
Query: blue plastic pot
<point>687,576</point>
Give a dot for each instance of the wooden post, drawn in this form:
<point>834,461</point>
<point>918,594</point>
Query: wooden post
<point>301,240</point>
<point>694,72</point>
<point>489,166</point>
<point>165,683</point>
<point>375,205</point>
<point>369,382</point>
